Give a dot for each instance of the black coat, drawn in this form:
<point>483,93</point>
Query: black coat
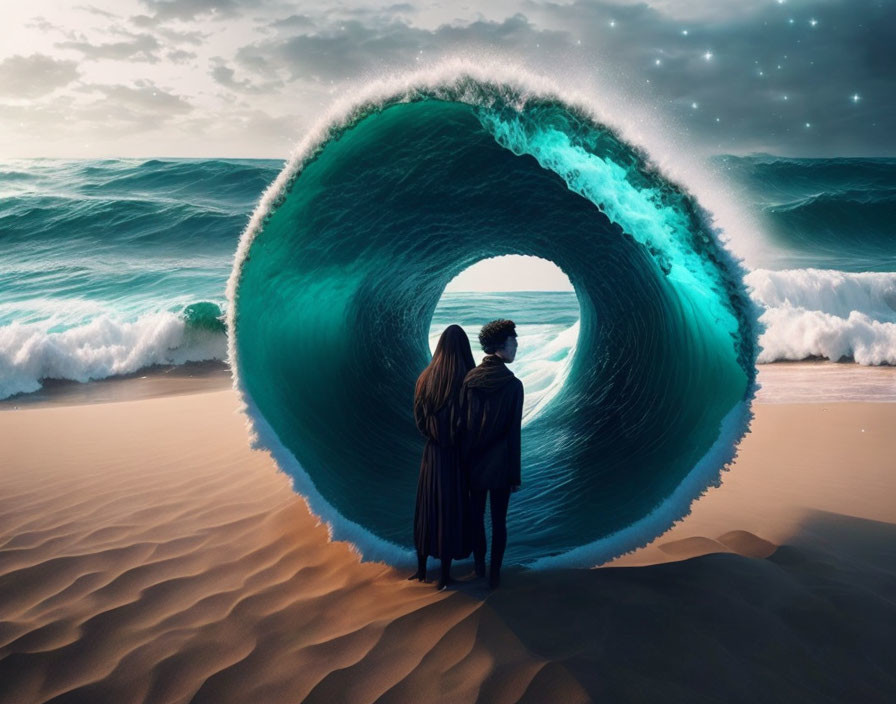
<point>491,410</point>
<point>442,519</point>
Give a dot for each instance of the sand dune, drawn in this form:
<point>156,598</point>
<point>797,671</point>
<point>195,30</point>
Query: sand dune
<point>147,555</point>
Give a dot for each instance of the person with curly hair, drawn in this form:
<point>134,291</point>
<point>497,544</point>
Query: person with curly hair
<point>491,415</point>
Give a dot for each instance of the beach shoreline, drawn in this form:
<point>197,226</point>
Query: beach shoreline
<point>147,553</point>
<point>807,381</point>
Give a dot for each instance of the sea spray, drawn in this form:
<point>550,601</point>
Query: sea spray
<point>337,278</point>
<point>107,346</point>
<point>125,238</point>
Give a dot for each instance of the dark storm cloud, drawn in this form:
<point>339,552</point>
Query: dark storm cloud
<point>766,73</point>
<point>800,77</point>
<point>348,48</point>
<point>138,47</point>
<point>35,75</point>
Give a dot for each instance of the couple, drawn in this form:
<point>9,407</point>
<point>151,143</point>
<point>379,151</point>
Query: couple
<point>470,417</point>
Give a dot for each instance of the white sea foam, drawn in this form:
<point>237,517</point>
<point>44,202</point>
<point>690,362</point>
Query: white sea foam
<point>823,313</point>
<point>549,364</point>
<point>542,363</point>
<point>837,293</point>
<point>806,312</point>
<point>103,347</point>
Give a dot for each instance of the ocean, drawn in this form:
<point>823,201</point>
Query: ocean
<point>112,266</point>
<point>101,261</point>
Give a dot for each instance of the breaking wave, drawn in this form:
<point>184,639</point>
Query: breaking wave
<point>336,279</point>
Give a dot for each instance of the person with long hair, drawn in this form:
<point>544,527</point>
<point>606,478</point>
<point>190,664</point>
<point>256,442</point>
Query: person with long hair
<point>442,519</point>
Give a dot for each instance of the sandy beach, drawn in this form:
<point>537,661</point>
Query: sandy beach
<point>147,554</point>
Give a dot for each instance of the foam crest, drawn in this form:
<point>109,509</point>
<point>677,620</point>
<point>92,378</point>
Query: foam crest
<point>834,292</point>
<point>103,347</point>
<point>823,313</point>
<point>794,334</point>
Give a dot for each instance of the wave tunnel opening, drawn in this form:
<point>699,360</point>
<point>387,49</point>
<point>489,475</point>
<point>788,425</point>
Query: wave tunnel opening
<point>338,276</point>
<point>538,297</point>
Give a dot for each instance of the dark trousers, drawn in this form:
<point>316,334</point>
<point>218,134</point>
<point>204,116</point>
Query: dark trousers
<point>499,498</point>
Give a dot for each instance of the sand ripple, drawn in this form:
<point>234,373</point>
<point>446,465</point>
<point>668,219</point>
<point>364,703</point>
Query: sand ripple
<point>149,557</point>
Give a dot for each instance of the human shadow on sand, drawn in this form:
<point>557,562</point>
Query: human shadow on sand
<point>812,622</point>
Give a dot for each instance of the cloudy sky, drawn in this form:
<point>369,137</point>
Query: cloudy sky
<point>244,78</point>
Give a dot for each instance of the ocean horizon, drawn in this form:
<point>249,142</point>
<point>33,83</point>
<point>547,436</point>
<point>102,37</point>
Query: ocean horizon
<point>114,265</point>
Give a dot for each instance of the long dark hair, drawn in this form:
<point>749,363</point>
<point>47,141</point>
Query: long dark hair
<point>442,378</point>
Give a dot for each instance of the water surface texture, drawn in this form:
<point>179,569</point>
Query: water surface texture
<point>336,289</point>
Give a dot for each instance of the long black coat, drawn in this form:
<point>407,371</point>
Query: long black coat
<point>442,519</point>
<point>491,416</point>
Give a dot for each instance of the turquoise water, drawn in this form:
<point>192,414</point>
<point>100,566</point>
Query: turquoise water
<point>338,289</point>
<point>102,258</point>
<point>110,266</point>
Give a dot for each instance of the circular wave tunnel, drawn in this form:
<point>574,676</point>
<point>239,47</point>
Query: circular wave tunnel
<point>338,274</point>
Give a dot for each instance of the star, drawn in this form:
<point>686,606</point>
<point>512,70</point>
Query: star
<point>856,98</point>
<point>693,106</point>
<point>707,55</point>
<point>658,62</point>
<point>684,32</point>
<point>813,21</point>
<point>612,23</point>
<point>808,124</point>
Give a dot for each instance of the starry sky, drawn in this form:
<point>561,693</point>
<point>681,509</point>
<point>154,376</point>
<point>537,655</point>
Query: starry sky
<point>244,78</point>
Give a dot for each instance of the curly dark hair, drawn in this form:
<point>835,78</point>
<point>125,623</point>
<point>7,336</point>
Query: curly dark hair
<point>494,334</point>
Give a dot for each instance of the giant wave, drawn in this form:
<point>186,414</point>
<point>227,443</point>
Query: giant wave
<point>352,246</point>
